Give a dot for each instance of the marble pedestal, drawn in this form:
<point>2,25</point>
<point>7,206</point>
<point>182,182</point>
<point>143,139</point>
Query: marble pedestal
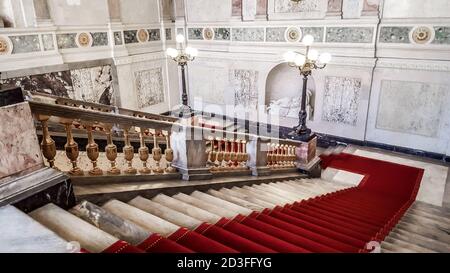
<point>307,159</point>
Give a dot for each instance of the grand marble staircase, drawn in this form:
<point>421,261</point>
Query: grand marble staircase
<point>98,228</point>
<point>424,229</point>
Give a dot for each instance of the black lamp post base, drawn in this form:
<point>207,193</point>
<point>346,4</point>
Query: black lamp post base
<point>183,111</point>
<point>302,134</point>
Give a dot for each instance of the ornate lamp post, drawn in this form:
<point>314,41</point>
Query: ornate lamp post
<point>306,63</point>
<point>182,55</point>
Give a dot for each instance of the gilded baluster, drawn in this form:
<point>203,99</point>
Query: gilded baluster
<point>227,154</point>
<point>240,154</point>
<point>72,151</point>
<point>111,152</point>
<point>92,152</point>
<point>157,155</point>
<point>220,154</point>
<point>144,153</point>
<point>213,156</point>
<point>48,145</point>
<point>128,152</point>
<point>169,155</point>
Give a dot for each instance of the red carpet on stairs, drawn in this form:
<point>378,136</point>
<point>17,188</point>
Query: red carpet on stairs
<point>343,221</point>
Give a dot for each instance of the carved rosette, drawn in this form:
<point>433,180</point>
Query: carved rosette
<point>142,36</point>
<point>422,35</point>
<point>293,34</point>
<point>208,33</point>
<point>6,46</point>
<point>84,39</point>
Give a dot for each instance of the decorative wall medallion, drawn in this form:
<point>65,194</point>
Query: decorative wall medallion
<point>208,33</point>
<point>422,35</point>
<point>293,34</point>
<point>84,39</point>
<point>6,46</point>
<point>142,35</point>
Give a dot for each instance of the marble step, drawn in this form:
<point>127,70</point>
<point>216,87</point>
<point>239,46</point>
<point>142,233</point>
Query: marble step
<point>301,193</point>
<point>395,249</point>
<point>165,213</point>
<point>222,212</point>
<point>425,221</point>
<point>221,203</point>
<point>22,234</point>
<point>145,220</point>
<point>429,232</point>
<point>282,198</point>
<point>281,192</point>
<point>73,229</point>
<point>286,188</point>
<point>441,220</point>
<point>185,208</point>
<point>247,198</point>
<point>235,200</point>
<point>258,195</point>
<point>116,226</point>
<point>420,241</point>
<point>406,245</point>
<point>431,208</point>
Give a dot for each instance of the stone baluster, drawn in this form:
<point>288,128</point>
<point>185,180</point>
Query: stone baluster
<point>293,156</point>
<point>128,152</point>
<point>71,147</point>
<point>144,153</point>
<point>48,145</point>
<point>244,151</point>
<point>169,155</point>
<point>157,155</point>
<point>92,151</point>
<point>269,155</point>
<point>240,155</point>
<point>111,152</point>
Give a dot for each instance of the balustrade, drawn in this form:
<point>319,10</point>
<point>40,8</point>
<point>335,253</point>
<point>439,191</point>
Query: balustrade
<point>226,155</point>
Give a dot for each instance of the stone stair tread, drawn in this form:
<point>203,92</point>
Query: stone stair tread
<point>425,221</point>
<point>420,240</point>
<point>440,219</point>
<point>434,234</point>
<point>430,207</point>
<point>395,248</point>
<point>407,245</point>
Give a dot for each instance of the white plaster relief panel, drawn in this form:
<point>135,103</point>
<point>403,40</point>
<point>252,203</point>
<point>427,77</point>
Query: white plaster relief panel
<point>149,87</point>
<point>245,85</point>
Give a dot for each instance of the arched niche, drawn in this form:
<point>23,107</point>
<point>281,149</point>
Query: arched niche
<point>284,90</point>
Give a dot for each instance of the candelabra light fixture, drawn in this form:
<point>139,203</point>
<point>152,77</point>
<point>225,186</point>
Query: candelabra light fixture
<point>306,63</point>
<point>182,55</point>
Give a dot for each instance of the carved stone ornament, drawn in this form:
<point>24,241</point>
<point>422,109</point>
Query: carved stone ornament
<point>142,35</point>
<point>84,39</point>
<point>293,34</point>
<point>422,35</point>
<point>6,46</point>
<point>208,33</point>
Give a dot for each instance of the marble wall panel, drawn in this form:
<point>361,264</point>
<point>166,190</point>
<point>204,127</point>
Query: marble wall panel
<point>94,84</point>
<point>222,34</point>
<point>411,107</point>
<point>442,35</point>
<point>47,42</point>
<point>118,38</point>
<point>19,145</point>
<point>168,32</point>
<point>245,85</point>
<point>236,8</point>
<point>130,36</point>
<point>349,34</point>
<point>195,33</point>
<point>154,34</point>
<point>334,5</point>
<point>261,7</point>
<point>341,100</point>
<point>275,34</point>
<point>99,39</point>
<point>248,34</point>
<point>25,43</point>
<point>397,35</point>
<point>149,87</point>
<point>208,83</point>
<point>67,40</point>
<point>316,32</point>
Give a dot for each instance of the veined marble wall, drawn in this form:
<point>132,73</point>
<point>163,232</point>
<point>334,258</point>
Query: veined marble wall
<point>89,84</point>
<point>149,87</point>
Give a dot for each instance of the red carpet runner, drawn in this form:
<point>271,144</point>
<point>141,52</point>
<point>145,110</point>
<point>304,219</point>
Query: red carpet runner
<point>343,221</point>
